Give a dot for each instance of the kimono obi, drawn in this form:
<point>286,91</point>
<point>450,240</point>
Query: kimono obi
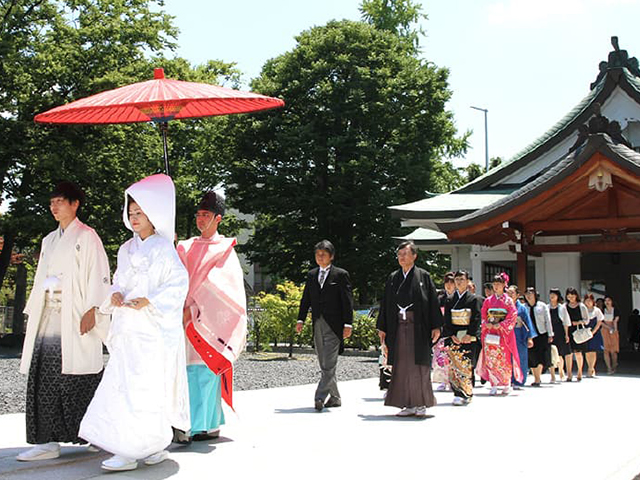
<point>496,315</point>
<point>461,317</point>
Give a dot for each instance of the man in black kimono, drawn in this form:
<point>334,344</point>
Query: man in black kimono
<point>409,323</point>
<point>462,323</point>
<point>328,293</point>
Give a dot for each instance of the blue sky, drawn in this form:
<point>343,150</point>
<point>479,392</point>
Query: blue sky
<point>527,62</point>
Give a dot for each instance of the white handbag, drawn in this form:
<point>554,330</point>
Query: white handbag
<point>582,334</point>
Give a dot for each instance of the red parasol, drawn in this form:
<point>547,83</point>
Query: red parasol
<point>158,100</point>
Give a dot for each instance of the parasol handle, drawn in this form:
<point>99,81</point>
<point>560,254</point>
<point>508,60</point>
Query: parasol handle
<point>164,127</point>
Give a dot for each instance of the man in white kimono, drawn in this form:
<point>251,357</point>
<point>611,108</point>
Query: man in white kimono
<point>62,350</point>
<point>215,318</point>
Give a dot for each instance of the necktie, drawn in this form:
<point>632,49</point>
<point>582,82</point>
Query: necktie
<point>323,275</point>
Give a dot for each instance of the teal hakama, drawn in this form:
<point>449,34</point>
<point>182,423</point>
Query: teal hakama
<point>205,399</point>
<point>214,316</point>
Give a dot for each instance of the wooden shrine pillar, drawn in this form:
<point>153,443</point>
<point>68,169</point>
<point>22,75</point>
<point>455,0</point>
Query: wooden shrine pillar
<point>521,270</point>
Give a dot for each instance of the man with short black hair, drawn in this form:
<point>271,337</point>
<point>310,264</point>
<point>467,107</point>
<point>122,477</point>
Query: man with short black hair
<point>62,351</point>
<point>328,293</point>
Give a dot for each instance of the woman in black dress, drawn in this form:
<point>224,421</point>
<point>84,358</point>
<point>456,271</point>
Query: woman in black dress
<point>540,354</point>
<point>561,322</point>
<point>579,316</point>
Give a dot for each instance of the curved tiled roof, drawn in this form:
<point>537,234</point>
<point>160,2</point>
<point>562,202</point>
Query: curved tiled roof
<point>562,129</point>
<point>558,172</point>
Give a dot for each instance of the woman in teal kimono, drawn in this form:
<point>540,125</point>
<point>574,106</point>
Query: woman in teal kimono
<point>525,333</point>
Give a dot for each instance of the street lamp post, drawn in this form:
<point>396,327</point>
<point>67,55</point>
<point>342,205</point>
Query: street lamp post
<point>486,137</point>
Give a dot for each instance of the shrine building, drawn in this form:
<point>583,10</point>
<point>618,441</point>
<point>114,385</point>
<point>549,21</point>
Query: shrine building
<point>564,212</point>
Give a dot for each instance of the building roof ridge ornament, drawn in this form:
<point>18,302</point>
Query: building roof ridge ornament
<point>598,123</point>
<point>618,59</point>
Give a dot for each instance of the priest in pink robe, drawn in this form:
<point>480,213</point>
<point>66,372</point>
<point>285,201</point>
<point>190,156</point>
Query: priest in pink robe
<point>215,319</point>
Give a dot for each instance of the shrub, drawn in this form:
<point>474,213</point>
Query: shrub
<point>364,333</point>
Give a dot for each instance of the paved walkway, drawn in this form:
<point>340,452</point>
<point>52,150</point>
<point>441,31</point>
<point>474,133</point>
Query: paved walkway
<point>586,430</point>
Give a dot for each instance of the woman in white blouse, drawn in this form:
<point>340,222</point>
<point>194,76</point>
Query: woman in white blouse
<point>594,345</point>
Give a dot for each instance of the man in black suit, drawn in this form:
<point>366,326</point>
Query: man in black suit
<point>328,293</point>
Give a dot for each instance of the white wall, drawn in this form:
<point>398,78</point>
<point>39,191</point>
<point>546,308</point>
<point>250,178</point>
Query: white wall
<point>560,270</point>
<point>461,258</point>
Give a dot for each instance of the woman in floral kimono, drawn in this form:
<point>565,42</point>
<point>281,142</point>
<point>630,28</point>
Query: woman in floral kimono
<point>144,390</point>
<point>499,359</point>
<point>440,357</point>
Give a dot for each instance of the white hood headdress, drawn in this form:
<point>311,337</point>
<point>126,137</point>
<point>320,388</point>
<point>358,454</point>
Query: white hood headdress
<point>156,196</point>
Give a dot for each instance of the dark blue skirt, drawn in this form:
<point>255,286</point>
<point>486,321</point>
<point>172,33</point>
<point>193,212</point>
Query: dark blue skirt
<point>596,344</point>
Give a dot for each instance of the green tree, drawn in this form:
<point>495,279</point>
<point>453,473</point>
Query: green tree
<point>494,162</point>
<point>445,177</point>
<point>364,124</point>
<point>396,16</point>
<point>55,52</point>
<point>474,171</point>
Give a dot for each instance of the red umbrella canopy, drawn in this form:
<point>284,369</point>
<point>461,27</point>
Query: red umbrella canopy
<point>158,100</point>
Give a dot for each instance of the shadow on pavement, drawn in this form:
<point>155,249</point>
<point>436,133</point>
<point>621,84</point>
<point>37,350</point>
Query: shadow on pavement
<point>393,418</point>
<point>75,463</point>
<point>205,446</point>
<point>373,399</point>
<point>69,455</point>
<point>163,470</point>
<point>300,410</point>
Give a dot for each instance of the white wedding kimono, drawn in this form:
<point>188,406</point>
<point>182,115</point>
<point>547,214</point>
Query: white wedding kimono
<point>144,390</point>
<point>77,258</point>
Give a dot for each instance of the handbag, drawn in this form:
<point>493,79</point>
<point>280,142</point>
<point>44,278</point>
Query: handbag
<point>582,334</point>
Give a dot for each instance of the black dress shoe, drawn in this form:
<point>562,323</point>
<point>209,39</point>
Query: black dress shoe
<point>333,402</point>
<point>319,405</point>
<point>206,436</point>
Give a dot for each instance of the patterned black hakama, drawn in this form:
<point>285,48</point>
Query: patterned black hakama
<point>56,403</point>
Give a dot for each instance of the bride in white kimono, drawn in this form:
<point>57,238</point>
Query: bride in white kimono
<point>144,390</point>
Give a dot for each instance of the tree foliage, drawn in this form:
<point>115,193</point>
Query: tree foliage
<point>364,124</point>
<point>61,51</point>
<point>54,52</point>
<point>474,171</point>
<point>396,16</point>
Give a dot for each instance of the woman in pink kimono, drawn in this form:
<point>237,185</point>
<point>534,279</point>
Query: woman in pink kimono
<point>499,357</point>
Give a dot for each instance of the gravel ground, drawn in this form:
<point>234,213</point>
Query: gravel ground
<point>252,371</point>
<point>268,370</point>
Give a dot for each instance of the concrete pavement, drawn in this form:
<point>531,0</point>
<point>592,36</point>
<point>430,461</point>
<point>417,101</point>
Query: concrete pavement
<point>586,430</point>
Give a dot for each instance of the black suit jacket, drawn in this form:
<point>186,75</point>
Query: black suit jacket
<point>334,302</point>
